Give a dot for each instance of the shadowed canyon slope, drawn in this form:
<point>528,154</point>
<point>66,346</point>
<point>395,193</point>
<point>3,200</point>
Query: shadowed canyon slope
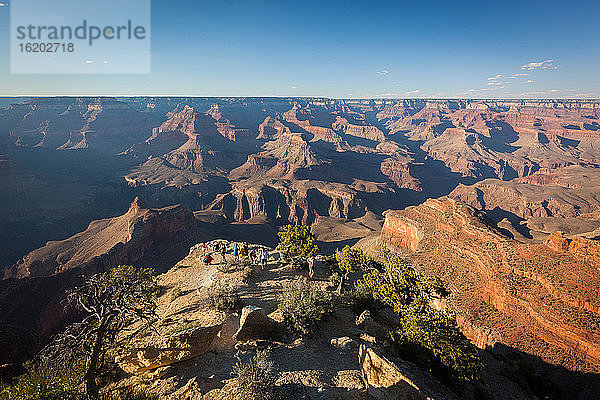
<point>32,289</point>
<point>124,239</point>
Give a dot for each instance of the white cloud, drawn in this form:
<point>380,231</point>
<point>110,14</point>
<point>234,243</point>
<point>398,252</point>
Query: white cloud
<point>528,81</point>
<point>550,93</point>
<point>586,95</point>
<point>472,92</point>
<point>294,87</point>
<point>3,4</point>
<point>494,78</point>
<point>88,61</point>
<point>383,72</point>
<point>548,64</point>
<point>413,92</point>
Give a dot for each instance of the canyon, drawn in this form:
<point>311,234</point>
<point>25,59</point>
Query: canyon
<point>540,299</point>
<point>498,198</point>
<point>295,160</point>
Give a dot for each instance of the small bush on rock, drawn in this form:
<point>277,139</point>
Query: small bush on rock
<point>256,378</point>
<point>426,336</point>
<point>335,279</point>
<point>44,382</point>
<point>297,241</point>
<point>360,298</point>
<point>234,265</point>
<point>223,297</point>
<point>303,305</point>
<point>351,260</point>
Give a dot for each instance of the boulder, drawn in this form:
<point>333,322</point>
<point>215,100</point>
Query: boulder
<point>254,324</point>
<point>388,380</point>
<point>225,341</point>
<point>343,343</point>
<point>178,347</point>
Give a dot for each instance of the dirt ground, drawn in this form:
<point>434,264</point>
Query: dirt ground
<point>310,366</point>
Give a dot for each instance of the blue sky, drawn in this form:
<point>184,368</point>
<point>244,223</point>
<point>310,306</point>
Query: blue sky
<point>350,49</point>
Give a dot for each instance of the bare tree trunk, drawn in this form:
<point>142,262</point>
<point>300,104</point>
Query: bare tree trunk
<point>92,368</point>
<point>343,277</point>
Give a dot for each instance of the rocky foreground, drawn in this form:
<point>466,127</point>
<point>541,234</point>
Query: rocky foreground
<point>195,346</point>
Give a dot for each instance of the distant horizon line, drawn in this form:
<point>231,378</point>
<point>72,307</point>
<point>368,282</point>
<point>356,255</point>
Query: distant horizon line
<point>305,97</point>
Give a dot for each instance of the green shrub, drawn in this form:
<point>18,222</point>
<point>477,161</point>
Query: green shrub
<point>426,336</point>
<point>297,241</point>
<point>350,260</point>
<point>303,305</point>
<point>223,297</point>
<point>46,383</point>
<point>335,279</point>
<point>433,340</point>
<point>360,298</point>
<point>256,378</point>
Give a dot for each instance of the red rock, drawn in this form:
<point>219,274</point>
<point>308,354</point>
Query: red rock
<point>542,299</point>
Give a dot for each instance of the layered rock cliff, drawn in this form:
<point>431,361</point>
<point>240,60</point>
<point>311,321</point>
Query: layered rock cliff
<point>542,299</point>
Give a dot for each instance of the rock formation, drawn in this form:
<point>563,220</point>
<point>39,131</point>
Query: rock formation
<point>175,348</point>
<point>397,380</point>
<point>271,128</point>
<point>549,200</point>
<point>541,299</point>
<point>104,124</point>
<point>33,290</point>
<point>126,239</point>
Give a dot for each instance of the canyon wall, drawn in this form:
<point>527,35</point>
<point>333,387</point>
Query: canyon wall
<point>33,290</point>
<point>542,299</point>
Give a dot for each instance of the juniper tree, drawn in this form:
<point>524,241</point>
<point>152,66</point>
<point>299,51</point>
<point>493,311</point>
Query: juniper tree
<point>432,335</point>
<point>350,260</point>
<point>297,241</point>
<point>110,302</point>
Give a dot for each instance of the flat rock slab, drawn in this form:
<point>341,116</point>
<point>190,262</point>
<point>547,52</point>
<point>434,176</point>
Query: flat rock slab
<point>179,347</point>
